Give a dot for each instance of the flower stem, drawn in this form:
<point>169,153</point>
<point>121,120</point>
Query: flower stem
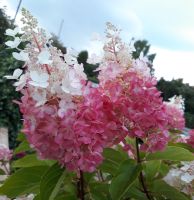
<point>141,177</point>
<point>82,185</point>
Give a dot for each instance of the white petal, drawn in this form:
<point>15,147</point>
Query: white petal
<point>13,44</point>
<point>21,83</point>
<point>39,96</point>
<point>43,57</point>
<point>11,32</point>
<point>38,84</point>
<point>16,74</point>
<point>21,56</point>
<point>39,77</point>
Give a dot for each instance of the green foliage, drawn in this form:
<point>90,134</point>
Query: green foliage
<point>2,172</point>
<point>31,161</point>
<point>177,87</point>
<point>124,180</point>
<point>112,161</point>
<point>142,46</point>
<point>151,169</point>
<point>9,111</point>
<point>51,182</point>
<point>172,153</point>
<point>23,181</point>
<point>57,43</point>
<point>164,191</point>
<point>118,177</point>
<point>89,69</point>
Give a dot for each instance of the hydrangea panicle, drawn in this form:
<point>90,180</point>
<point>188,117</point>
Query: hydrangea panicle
<point>72,121</point>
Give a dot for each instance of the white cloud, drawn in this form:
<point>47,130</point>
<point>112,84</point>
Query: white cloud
<point>187,34</point>
<point>174,64</point>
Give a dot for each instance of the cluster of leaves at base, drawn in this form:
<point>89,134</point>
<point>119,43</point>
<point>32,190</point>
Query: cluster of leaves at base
<point>117,178</point>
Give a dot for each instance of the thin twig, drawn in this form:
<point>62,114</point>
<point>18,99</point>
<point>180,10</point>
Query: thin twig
<point>82,193</point>
<point>141,177</point>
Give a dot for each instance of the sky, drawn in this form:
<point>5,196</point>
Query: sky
<point>168,25</point>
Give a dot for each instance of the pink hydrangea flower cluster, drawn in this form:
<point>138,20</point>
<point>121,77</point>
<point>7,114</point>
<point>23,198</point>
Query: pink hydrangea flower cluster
<point>69,120</point>
<point>5,154</point>
<point>77,139</point>
<point>175,111</point>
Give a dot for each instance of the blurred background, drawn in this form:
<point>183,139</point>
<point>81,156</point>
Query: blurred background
<point>163,31</point>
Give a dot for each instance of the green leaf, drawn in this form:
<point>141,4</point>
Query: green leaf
<point>135,193</point>
<point>112,161</point>
<point>151,169</point>
<point>37,197</point>
<point>21,137</point>
<point>30,161</point>
<point>2,172</point>
<point>23,181</point>
<point>97,196</point>
<point>51,182</point>
<point>113,155</point>
<point>164,169</point>
<point>183,145</point>
<point>126,166</point>
<point>172,153</point>
<point>23,146</point>
<point>160,188</point>
<point>109,167</point>
<point>99,191</point>
<point>66,196</point>
<point>122,183</point>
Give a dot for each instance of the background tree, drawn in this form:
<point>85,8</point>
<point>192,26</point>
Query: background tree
<point>9,112</point>
<point>177,87</point>
<point>142,46</point>
<point>57,43</point>
<point>89,69</point>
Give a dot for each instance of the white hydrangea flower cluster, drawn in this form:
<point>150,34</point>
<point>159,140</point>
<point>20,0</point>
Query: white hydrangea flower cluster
<point>182,178</point>
<point>117,56</point>
<point>47,72</point>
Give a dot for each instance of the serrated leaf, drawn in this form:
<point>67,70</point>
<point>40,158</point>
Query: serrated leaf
<point>172,153</point>
<point>122,183</point>
<point>30,161</point>
<point>51,182</point>
<point>23,181</point>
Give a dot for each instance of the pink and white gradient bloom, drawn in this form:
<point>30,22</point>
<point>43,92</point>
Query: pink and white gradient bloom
<point>68,120</point>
